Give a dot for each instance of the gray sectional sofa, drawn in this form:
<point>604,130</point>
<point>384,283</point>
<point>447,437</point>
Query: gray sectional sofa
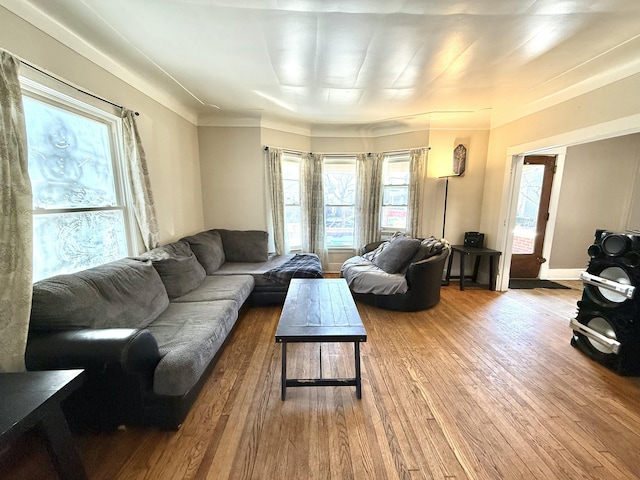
<point>147,329</point>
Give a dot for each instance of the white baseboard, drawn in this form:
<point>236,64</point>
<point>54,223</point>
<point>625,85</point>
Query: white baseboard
<point>564,273</point>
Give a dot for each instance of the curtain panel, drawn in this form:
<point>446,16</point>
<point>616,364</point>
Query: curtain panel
<point>368,201</point>
<point>276,197</point>
<point>16,221</point>
<point>313,207</point>
<point>144,207</point>
<point>418,158</point>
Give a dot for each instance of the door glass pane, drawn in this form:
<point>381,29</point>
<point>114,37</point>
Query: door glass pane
<point>68,242</point>
<point>524,234</point>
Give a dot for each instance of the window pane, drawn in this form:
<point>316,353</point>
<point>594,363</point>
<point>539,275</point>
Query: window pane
<point>395,195</point>
<point>396,173</point>
<point>394,217</point>
<point>290,170</point>
<point>293,225</point>
<point>339,223</point>
<point>68,242</point>
<point>70,161</point>
<point>339,184</point>
<point>291,192</point>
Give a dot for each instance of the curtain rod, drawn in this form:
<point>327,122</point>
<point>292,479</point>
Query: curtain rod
<point>64,82</point>
<point>288,150</point>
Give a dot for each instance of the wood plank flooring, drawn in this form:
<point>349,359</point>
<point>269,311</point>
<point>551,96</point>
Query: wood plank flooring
<point>483,386</point>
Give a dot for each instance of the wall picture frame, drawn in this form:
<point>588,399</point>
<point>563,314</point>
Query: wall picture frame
<point>459,159</point>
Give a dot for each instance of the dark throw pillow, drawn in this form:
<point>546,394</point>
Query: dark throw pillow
<point>397,254</point>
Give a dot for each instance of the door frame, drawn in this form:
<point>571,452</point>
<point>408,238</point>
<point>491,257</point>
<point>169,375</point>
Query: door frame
<point>515,163</point>
<point>626,125</point>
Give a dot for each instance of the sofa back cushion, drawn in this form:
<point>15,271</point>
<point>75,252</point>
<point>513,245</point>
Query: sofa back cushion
<point>245,245</point>
<point>395,256</point>
<point>178,268</point>
<point>207,247</point>
<point>126,293</point>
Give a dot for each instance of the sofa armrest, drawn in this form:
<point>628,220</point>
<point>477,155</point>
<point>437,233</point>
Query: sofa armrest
<point>133,350</point>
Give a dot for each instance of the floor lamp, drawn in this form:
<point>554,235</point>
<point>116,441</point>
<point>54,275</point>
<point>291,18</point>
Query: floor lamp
<point>446,195</point>
<point>444,214</point>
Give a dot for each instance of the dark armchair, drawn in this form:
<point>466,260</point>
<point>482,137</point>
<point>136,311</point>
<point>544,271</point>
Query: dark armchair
<point>423,279</point>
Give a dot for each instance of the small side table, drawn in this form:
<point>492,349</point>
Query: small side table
<point>28,399</point>
<point>476,253</point>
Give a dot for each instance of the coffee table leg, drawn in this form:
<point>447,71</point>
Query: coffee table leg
<point>356,346</point>
<point>283,387</point>
<point>60,444</point>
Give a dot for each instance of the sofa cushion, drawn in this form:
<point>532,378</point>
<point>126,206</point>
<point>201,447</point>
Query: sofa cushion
<point>219,287</point>
<point>207,247</point>
<point>245,245</point>
<point>178,267</point>
<point>189,335</point>
<point>397,254</point>
<point>125,293</point>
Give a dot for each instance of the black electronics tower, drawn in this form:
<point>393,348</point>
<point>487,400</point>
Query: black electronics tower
<point>607,327</point>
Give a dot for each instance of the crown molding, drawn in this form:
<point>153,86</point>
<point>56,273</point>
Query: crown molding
<point>49,26</point>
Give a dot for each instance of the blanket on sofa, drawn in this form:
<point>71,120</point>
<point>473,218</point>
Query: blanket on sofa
<point>302,265</point>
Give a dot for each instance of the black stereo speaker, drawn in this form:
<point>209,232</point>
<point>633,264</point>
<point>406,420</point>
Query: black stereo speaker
<point>473,239</point>
<point>607,327</point>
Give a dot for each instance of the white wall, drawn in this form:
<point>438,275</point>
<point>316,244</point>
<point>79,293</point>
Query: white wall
<point>170,141</point>
<point>597,191</point>
<point>233,178</point>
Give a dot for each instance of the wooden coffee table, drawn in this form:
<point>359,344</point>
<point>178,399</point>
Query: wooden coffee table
<point>320,310</point>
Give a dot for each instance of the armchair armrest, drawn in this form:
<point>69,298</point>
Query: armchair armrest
<point>133,350</point>
<point>427,272</point>
<point>370,247</point>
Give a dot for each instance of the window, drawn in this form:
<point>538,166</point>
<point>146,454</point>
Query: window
<point>339,200</point>
<point>395,192</point>
<point>80,218</point>
<point>291,164</point>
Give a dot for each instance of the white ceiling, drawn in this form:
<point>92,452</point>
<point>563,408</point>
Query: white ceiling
<point>362,62</point>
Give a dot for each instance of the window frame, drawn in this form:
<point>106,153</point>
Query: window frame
<point>41,88</point>
<point>340,159</point>
<point>396,157</point>
<point>292,157</point>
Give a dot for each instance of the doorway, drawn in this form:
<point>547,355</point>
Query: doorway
<point>532,215</point>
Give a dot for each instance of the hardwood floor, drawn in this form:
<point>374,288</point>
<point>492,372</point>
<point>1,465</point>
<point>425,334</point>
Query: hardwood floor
<point>483,386</point>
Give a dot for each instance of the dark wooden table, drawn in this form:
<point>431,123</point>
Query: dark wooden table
<point>472,252</point>
<point>320,310</point>
<point>30,399</point>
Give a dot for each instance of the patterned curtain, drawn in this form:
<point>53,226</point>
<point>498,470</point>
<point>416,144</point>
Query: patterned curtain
<point>276,196</point>
<point>418,158</point>
<point>313,207</point>
<point>143,204</point>
<point>16,222</point>
<point>368,191</point>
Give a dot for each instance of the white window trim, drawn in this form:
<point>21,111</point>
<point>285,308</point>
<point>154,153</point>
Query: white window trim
<point>396,157</point>
<point>41,87</point>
